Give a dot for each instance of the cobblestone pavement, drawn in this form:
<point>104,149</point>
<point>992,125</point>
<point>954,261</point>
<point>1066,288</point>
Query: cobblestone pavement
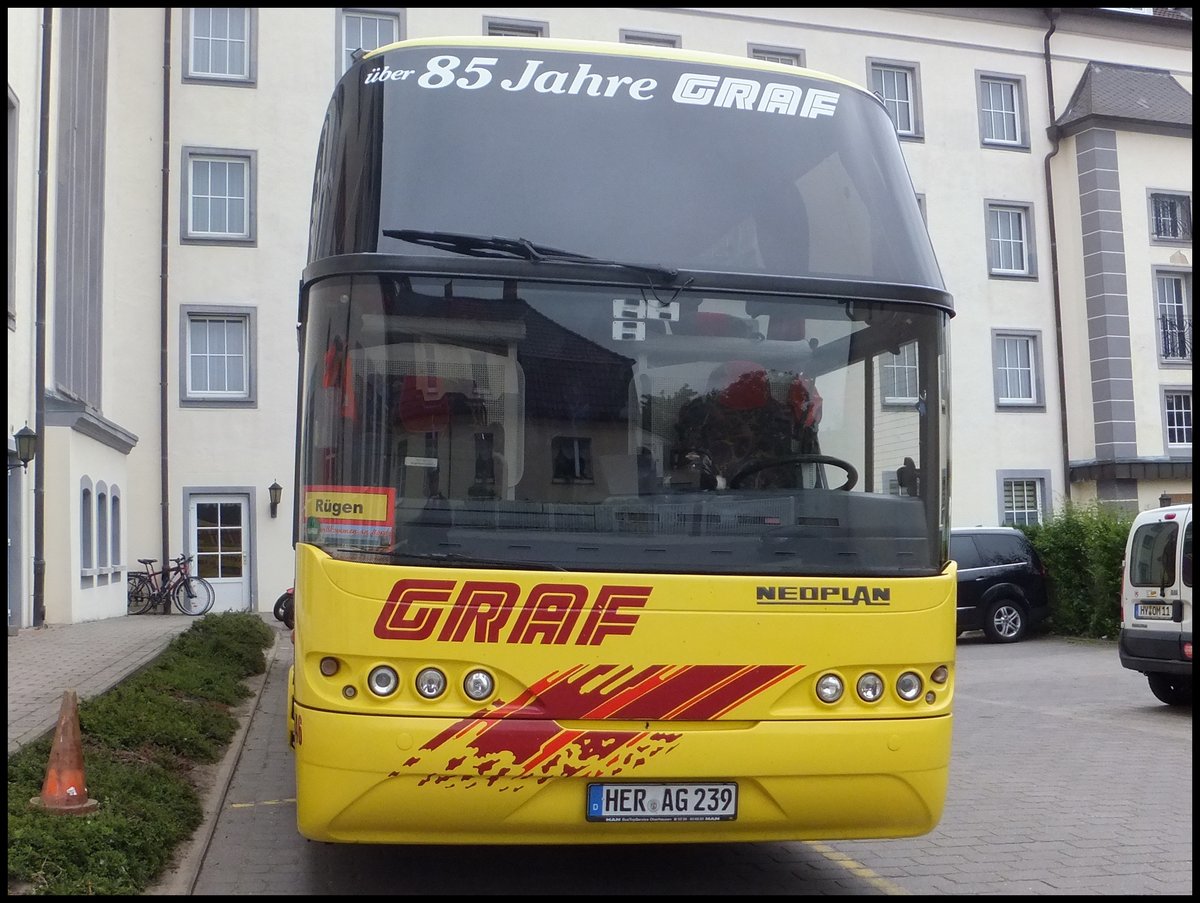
<point>1068,777</point>
<point>89,658</point>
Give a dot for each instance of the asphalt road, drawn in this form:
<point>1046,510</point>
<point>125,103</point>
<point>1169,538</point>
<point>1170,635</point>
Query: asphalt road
<point>1068,777</point>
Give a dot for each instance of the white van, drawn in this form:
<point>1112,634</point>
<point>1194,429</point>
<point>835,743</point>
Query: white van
<point>1156,602</point>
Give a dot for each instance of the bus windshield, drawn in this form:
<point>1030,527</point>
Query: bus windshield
<point>676,162</point>
<point>593,428</point>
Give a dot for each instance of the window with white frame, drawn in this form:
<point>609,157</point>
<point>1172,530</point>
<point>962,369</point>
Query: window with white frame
<point>896,85</point>
<point>653,40</point>
<point>514,28</point>
<point>1171,216</point>
<point>1173,292</point>
<point>1177,418</point>
<point>366,30</point>
<point>898,376</point>
<point>220,43</point>
<point>1009,249</point>
<point>1017,369</point>
<point>217,352</point>
<point>1002,111</point>
<point>219,193</point>
<point>1022,501</point>
<point>781,55</point>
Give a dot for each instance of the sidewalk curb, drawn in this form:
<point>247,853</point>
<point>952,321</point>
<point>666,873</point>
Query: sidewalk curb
<point>180,876</point>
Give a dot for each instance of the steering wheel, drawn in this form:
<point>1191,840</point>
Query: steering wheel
<point>851,474</point>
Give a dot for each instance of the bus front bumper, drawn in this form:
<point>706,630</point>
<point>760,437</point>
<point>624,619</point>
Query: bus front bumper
<point>375,779</point>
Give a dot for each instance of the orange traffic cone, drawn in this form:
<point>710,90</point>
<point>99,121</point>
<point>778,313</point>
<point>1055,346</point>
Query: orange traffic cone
<point>64,791</point>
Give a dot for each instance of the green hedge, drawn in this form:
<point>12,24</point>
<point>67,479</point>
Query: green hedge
<point>141,742</point>
<point>1082,548</point>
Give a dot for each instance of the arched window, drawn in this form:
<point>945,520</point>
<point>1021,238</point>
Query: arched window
<point>114,513</point>
<point>86,559</point>
<point>101,525</point>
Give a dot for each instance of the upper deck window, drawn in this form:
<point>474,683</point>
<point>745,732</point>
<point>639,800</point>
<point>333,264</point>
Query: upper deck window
<point>761,172</point>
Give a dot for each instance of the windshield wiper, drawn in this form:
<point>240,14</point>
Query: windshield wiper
<point>453,558</point>
<point>494,246</point>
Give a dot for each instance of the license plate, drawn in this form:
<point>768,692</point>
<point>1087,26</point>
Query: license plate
<point>662,802</point>
<point>1153,612</point>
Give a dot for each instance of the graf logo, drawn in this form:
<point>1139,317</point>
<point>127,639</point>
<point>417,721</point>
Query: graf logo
<point>493,611</point>
<point>750,94</point>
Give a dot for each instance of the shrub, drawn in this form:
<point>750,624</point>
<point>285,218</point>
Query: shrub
<point>1082,548</point>
<point>141,741</point>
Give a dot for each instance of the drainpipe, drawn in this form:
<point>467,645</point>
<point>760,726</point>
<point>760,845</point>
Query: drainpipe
<point>1052,13</point>
<point>39,354</point>
<point>163,375</point>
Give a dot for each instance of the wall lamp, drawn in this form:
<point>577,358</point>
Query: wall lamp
<point>275,491</point>
<point>26,446</point>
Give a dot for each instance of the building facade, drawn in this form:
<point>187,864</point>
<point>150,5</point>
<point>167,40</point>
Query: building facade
<point>160,170</point>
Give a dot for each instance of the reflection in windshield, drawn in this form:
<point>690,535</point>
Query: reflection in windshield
<point>593,428</point>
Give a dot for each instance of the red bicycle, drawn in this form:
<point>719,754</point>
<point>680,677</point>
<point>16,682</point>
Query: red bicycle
<point>191,595</point>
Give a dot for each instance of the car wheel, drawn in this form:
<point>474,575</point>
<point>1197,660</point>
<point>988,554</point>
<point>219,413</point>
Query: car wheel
<point>1004,622</point>
<point>1173,689</point>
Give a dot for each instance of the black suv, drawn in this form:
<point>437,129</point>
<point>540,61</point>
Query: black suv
<point>1001,582</point>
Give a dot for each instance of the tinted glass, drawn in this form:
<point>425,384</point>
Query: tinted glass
<point>590,427</point>
<point>962,550</point>
<point>1186,564</point>
<point>1152,554</point>
<point>757,170</point>
<point>1002,548</point>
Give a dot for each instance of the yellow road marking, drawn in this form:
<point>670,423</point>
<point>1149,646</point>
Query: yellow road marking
<point>858,870</point>
<point>261,803</point>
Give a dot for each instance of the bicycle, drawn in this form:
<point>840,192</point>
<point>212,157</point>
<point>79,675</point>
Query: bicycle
<point>176,584</point>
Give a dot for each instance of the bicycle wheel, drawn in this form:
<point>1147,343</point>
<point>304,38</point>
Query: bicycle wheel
<point>141,594</point>
<point>283,609</point>
<point>199,600</point>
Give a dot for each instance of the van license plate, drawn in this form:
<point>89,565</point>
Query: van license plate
<point>662,802</point>
<point>1154,612</point>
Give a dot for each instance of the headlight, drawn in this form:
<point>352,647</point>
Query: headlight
<point>909,686</point>
<point>829,688</point>
<point>431,683</point>
<point>478,685</point>
<point>383,681</point>
<point>870,687</point>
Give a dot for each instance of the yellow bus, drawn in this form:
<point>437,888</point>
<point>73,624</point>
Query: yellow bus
<point>622,475</point>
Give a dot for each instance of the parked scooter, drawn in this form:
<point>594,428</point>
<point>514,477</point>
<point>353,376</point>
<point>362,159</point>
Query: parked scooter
<point>285,607</point>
